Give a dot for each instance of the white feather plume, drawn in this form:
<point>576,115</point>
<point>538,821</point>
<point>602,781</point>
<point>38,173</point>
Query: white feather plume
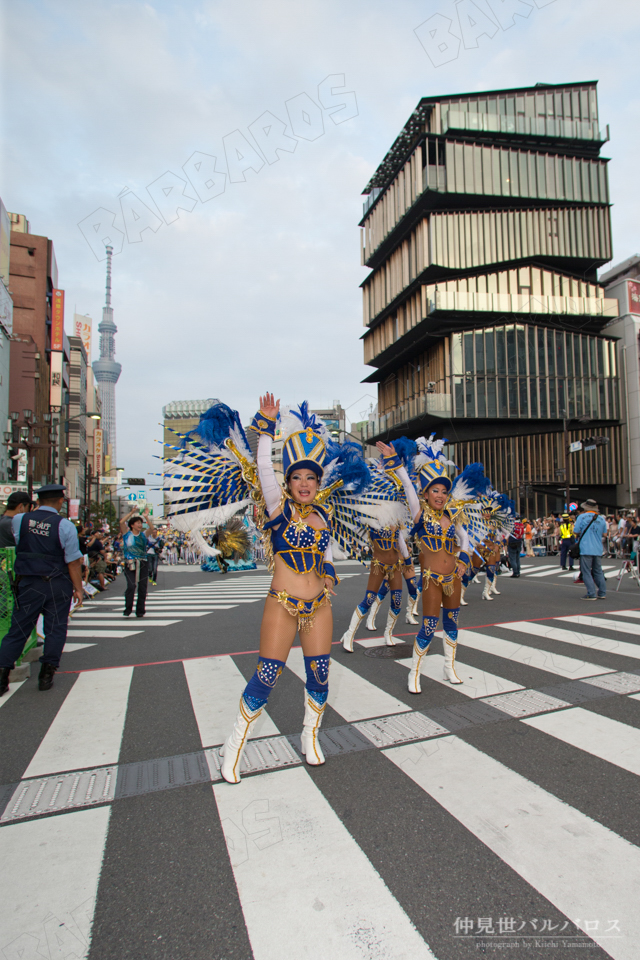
<point>213,517</point>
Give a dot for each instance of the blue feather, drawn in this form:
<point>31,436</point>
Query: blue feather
<point>473,475</point>
<point>406,449</point>
<point>506,504</point>
<point>216,425</point>
<point>306,419</point>
<point>350,467</point>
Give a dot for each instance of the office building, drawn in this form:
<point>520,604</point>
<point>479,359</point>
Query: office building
<point>33,285</point>
<point>6,330</point>
<point>484,228</point>
<point>179,417</point>
<point>623,283</point>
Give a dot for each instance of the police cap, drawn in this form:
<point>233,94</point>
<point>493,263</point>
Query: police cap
<point>51,490</point>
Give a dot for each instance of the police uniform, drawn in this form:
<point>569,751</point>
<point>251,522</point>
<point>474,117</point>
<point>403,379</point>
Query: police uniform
<point>45,544</point>
<point>567,540</point>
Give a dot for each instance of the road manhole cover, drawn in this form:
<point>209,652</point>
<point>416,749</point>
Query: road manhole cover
<point>399,652</point>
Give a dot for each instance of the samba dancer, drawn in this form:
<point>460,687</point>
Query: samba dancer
<point>409,574</point>
<point>389,556</point>
<point>303,580</point>
<point>444,546</point>
<point>329,495</point>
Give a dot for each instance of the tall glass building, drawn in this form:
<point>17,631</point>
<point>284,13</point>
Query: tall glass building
<point>484,227</point>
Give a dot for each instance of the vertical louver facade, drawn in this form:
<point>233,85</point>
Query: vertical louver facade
<point>484,228</point>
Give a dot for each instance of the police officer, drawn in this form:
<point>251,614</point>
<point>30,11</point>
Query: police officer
<point>567,540</point>
<point>48,571</point>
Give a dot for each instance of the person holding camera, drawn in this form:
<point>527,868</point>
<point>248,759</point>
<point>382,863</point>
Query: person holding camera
<point>136,561</point>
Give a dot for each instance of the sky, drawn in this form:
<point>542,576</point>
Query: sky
<point>249,281</point>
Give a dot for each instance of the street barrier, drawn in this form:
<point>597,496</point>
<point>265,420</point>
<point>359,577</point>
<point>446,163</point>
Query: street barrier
<point>7,560</point>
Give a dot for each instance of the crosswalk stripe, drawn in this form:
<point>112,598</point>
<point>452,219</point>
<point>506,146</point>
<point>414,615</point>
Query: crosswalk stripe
<point>531,656</point>
<point>288,847</point>
<point>605,644</point>
<point>81,615</point>
<point>577,570</point>
<point>536,569</point>
<point>104,634</point>
<point>581,867</point>
<point>475,682</point>
<point>102,622</point>
<point>600,736</point>
<point>73,647</point>
<point>624,613</point>
<point>215,687</point>
<point>50,874</point>
<point>350,695</point>
<point>87,729</point>
<point>560,572</point>
<point>602,624</point>
<point>13,689</point>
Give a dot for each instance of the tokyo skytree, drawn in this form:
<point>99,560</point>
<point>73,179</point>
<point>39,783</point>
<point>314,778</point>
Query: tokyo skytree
<point>106,370</point>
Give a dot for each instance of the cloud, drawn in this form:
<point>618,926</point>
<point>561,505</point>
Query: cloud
<point>258,288</point>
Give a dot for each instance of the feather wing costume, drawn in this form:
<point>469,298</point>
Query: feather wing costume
<point>213,474</point>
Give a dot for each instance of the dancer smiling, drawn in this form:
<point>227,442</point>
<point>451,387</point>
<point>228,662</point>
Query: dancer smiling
<point>325,497</point>
<point>441,528</point>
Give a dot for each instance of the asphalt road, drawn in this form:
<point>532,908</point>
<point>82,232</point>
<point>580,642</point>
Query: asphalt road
<point>501,814</point>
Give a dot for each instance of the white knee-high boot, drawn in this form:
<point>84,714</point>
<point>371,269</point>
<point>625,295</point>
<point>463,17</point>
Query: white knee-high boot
<point>388,630</point>
<point>463,602</point>
<point>494,587</point>
<point>235,744</point>
<point>309,743</point>
<point>350,632</point>
<point>411,610</point>
<point>371,619</point>
<point>486,593</point>
<point>425,634</point>
<point>449,648</point>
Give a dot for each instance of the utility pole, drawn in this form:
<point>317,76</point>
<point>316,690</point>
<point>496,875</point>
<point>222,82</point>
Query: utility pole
<point>567,462</point>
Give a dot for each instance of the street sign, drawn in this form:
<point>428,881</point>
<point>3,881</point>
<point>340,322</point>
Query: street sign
<point>113,480</point>
<point>573,506</point>
<point>574,447</point>
<point>136,482</point>
<point>140,495</point>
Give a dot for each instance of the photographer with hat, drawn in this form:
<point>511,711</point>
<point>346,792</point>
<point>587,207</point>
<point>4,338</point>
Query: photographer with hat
<point>590,528</point>
<point>48,574</point>
<point>18,502</point>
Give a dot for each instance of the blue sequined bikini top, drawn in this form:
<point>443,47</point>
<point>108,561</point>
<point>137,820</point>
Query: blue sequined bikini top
<point>301,546</point>
<point>429,532</point>
<point>384,539</point>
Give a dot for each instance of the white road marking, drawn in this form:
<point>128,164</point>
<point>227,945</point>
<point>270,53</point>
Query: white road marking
<point>574,571</point>
<point>96,621</point>
<point>215,686</point>
<point>602,624</point>
<point>600,736</point>
<point>605,644</point>
<point>475,682</point>
<point>118,616</point>
<point>624,613</point>
<point>350,695</point>
<point>104,634</point>
<point>73,647</point>
<point>288,847</point>
<point>87,729</point>
<point>581,867</point>
<point>531,656</point>
<point>13,688</point>
<point>49,881</point>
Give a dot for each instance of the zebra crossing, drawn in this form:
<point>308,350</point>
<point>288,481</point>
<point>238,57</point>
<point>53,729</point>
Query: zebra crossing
<point>541,571</point>
<point>165,608</point>
<point>287,838</point>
